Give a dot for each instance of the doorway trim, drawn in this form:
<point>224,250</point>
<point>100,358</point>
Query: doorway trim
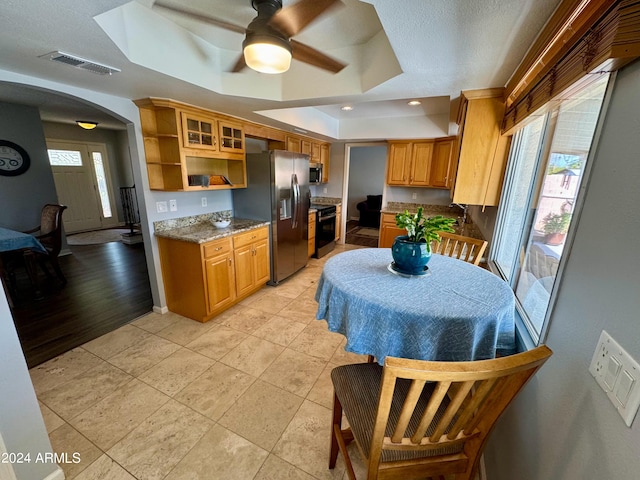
<point>345,182</point>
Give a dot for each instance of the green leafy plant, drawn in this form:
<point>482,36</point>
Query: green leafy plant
<point>556,223</point>
<point>422,229</point>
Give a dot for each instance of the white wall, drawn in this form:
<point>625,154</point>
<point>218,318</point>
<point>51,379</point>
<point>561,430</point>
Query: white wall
<point>21,424</point>
<point>563,427</point>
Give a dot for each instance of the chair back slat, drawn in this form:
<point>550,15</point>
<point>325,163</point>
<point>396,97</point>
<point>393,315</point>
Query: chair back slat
<point>470,407</point>
<point>438,395</point>
<point>451,411</point>
<point>407,409</point>
<point>463,248</point>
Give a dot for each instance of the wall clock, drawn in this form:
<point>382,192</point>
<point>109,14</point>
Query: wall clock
<point>14,160</point>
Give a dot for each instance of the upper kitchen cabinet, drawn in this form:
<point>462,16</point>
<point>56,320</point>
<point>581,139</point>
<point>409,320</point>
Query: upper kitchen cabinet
<point>482,151</point>
<point>182,141</point>
<point>325,154</point>
<point>293,144</point>
<point>319,152</point>
<point>420,163</point>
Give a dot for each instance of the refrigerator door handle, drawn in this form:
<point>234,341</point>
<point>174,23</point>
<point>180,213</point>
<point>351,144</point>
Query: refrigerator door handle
<point>296,200</point>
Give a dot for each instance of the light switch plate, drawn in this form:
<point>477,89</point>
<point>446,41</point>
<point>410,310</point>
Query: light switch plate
<point>619,376</point>
<point>161,207</point>
<point>203,200</point>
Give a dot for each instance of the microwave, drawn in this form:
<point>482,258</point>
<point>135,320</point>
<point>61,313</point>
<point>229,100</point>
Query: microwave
<point>315,173</point>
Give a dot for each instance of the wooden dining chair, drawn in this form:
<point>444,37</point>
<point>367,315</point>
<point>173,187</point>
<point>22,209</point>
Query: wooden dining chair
<point>415,419</point>
<point>463,248</point>
<point>49,233</point>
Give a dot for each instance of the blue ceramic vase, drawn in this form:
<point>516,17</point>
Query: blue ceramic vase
<point>409,257</point>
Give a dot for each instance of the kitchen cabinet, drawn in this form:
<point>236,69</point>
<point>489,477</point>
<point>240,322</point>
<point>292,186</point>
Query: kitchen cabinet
<point>202,280</point>
<point>389,230</point>
<point>181,140</point>
<point>293,144</point>
<point>481,154</point>
<point>251,254</point>
<point>312,234</point>
<point>338,222</point>
<point>440,170</point>
<point>409,163</point>
<point>325,154</point>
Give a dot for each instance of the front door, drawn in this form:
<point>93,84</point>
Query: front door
<point>82,183</point>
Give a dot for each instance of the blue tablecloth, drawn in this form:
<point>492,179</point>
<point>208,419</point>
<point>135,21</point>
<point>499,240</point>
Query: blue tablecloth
<point>12,240</point>
<point>458,312</point>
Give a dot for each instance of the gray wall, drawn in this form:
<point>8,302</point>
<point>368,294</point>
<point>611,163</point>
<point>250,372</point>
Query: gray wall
<point>563,427</point>
<point>21,424</point>
<point>367,167</point>
<point>22,197</point>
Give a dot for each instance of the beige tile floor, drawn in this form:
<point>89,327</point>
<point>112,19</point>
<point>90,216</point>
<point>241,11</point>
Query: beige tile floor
<point>244,396</point>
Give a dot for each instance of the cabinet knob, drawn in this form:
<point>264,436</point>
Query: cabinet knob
<point>218,248</point>
<point>230,263</point>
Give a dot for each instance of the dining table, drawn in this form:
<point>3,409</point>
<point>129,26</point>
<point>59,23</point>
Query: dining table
<point>456,311</point>
<point>26,245</point>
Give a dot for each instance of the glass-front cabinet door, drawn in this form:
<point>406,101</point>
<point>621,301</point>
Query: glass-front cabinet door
<point>231,137</point>
<point>199,132</point>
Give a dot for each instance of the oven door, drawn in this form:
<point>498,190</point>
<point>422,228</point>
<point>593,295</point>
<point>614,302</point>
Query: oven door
<point>325,235</point>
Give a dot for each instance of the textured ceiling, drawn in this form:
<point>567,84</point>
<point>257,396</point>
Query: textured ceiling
<point>397,50</point>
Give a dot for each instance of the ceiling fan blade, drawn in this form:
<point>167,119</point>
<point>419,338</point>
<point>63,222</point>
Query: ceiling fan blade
<point>203,18</point>
<point>239,65</point>
<point>309,55</point>
<point>291,20</point>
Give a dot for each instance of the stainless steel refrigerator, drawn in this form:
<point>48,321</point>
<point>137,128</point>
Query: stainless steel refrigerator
<point>278,191</point>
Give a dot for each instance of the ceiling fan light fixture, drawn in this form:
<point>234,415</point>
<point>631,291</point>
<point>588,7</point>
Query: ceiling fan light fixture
<point>267,53</point>
<point>86,124</point>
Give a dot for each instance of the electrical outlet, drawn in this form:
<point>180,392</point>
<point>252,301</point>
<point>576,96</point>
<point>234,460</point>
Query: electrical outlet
<point>173,205</point>
<point>204,201</point>
<point>324,190</point>
<point>619,376</point>
<point>414,196</point>
<point>161,207</point>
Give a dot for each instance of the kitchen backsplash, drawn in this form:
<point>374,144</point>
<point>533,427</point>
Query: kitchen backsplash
<point>326,200</point>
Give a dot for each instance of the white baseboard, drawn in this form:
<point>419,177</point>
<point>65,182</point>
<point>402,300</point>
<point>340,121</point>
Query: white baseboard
<point>160,310</point>
<point>57,475</point>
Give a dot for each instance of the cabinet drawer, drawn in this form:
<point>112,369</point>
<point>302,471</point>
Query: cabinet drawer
<point>217,247</point>
<point>248,238</point>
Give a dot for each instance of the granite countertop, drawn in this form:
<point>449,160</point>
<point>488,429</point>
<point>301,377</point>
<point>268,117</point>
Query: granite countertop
<point>468,229</point>
<point>205,231</point>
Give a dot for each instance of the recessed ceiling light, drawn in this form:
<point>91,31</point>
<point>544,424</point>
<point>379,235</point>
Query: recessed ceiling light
<point>86,124</point>
<point>413,103</point>
<point>347,108</point>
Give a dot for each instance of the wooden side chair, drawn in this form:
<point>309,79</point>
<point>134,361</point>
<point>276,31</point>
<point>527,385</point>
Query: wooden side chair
<point>49,232</point>
<point>415,419</point>
<point>463,248</point>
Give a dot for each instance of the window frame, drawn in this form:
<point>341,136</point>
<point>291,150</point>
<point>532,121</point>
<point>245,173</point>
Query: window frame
<point>525,336</point>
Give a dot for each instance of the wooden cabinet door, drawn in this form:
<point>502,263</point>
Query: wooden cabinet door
<point>305,147</point>
<point>420,163</point>
<point>220,281</point>
<point>244,269</point>
<point>325,154</point>
<point>294,144</point>
<point>199,132</point>
<point>398,164</point>
<point>441,164</point>
<point>315,152</point>
<point>261,263</point>
<point>231,137</point>
<point>388,234</point>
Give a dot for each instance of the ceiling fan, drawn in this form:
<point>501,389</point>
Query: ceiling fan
<point>268,46</point>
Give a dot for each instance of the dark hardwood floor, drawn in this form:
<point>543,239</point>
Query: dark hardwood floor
<point>108,286</point>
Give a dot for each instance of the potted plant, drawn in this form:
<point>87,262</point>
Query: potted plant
<point>412,252</point>
<point>555,227</point>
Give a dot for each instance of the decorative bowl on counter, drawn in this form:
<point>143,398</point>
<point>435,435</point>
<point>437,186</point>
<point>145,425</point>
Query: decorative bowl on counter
<point>221,223</point>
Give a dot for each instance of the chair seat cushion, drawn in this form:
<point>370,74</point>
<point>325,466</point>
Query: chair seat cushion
<point>357,387</point>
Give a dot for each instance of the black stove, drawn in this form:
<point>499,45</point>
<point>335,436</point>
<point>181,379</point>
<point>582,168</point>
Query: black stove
<point>325,228</point>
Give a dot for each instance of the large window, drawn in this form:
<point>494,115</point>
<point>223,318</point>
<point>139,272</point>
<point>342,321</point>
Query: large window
<point>546,167</point>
